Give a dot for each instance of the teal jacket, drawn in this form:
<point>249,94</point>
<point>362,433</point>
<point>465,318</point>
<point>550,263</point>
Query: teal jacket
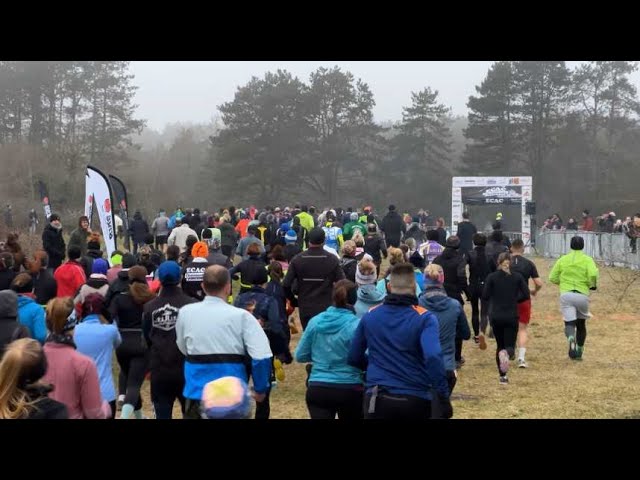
<point>32,316</point>
<point>325,343</point>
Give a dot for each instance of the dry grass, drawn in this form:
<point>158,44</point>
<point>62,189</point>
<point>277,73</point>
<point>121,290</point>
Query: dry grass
<point>606,384</point>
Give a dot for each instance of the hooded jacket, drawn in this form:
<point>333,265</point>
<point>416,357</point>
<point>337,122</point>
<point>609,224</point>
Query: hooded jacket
<point>451,320</point>
<point>325,343</point>
<point>267,311</point>
<point>10,327</point>
<point>53,244</point>
<point>70,277</point>
<point>455,275</point>
<point>374,245</point>
<point>368,297</point>
<point>95,284</point>
<point>179,236</point>
<point>575,271</point>
<point>480,266</point>
<point>32,316</point>
<point>465,233</point>
<point>393,227</point>
<point>119,285</point>
<point>159,329</point>
<point>192,276</point>
<point>247,269</point>
<point>228,235</point>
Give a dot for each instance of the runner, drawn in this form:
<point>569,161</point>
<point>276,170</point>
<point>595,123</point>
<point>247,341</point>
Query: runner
<point>368,295</point>
<point>503,290</point>
<point>528,270</point>
<point>479,269</point>
<point>333,233</point>
<point>404,366</point>
<point>576,273</point>
<point>249,268</point>
<point>431,249</point>
<point>375,246</point>
<point>352,226</point>
<point>160,229</point>
<point>335,387</point>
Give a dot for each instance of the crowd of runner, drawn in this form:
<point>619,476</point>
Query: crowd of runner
<point>377,342</point>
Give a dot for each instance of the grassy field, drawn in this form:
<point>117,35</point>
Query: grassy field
<point>606,384</point>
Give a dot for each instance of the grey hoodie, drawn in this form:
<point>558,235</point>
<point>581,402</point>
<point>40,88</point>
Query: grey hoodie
<point>160,226</point>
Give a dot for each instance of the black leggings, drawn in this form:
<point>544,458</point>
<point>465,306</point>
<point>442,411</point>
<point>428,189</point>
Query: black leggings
<point>164,392</point>
<point>112,404</point>
<point>578,329</point>
<point>505,334</point>
<point>479,314</point>
<point>398,407</point>
<point>324,402</point>
<point>263,408</point>
<point>133,360</point>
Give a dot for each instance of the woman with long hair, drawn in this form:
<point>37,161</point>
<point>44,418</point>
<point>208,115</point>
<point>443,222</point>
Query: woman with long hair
<point>97,338</point>
<point>22,395</point>
<point>127,309</point>
<point>334,386</point>
<point>73,375</point>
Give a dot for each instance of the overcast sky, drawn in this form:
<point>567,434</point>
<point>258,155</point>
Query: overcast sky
<point>191,91</point>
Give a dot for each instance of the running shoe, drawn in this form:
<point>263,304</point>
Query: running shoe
<point>476,339</point>
<point>460,363</point>
<point>522,363</point>
<point>279,370</point>
<point>579,352</point>
<point>504,380</point>
<point>120,402</point>
<point>503,357</point>
<point>573,354</point>
<point>483,342</point>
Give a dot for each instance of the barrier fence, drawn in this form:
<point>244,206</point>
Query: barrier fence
<point>613,249</point>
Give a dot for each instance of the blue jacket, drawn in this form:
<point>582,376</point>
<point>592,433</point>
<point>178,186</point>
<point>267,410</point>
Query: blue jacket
<point>32,316</point>
<point>404,357</point>
<point>325,343</point>
<point>97,340</point>
<point>452,321</point>
<point>381,286</point>
<point>266,310</point>
<point>368,297</point>
<point>220,340</point>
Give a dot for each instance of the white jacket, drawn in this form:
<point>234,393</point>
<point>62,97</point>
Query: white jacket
<point>179,236</point>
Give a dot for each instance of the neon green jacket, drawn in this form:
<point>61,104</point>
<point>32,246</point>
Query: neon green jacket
<point>575,271</point>
<point>306,221</point>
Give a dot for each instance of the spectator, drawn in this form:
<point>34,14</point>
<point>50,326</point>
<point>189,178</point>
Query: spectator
<point>30,314</point>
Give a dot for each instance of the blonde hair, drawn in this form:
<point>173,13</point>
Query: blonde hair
<point>395,255</point>
<point>358,239</point>
<point>433,271</point>
<point>367,267</point>
<point>58,311</point>
<point>349,248</point>
<point>20,358</point>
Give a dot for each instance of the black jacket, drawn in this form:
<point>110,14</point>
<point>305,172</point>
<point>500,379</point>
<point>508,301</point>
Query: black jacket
<point>138,229</point>
<point>349,266</point>
<point>291,251</point>
<point>480,267</point>
<point>6,277</point>
<point>53,244</point>
<point>466,230</point>
<point>10,330</point>
<point>301,232</point>
<point>87,261</point>
<point>119,285</point>
<point>373,245</point>
<point>414,232</point>
<point>192,276</point>
<point>126,311</point>
<point>455,276</point>
<point>45,408</point>
<point>266,310</point>
<point>442,236</point>
<point>159,329</point>
<point>247,269</point>
<point>493,251</point>
<point>315,271</point>
<point>45,286</point>
<point>393,227</point>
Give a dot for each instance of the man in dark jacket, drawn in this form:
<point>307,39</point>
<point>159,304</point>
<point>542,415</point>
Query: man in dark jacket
<point>495,247</point>
<point>10,328</point>
<point>158,326</point>
<point>53,242</point>
<point>466,231</point>
<point>414,231</point>
<point>120,284</point>
<point>315,271</point>
<point>229,237</point>
<point>405,371</point>
<point>138,230</point>
<point>393,227</point>
<point>375,245</point>
<point>453,264</point>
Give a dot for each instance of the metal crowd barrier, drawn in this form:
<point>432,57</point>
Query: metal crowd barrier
<point>611,248</point>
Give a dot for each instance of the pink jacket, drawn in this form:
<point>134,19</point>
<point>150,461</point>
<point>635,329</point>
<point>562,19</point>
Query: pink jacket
<point>75,380</point>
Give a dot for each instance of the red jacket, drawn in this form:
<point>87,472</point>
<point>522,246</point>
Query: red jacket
<point>587,225</point>
<point>70,277</point>
<point>242,226</point>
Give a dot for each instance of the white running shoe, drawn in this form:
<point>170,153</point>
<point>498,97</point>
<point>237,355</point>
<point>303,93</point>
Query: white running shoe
<point>522,363</point>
